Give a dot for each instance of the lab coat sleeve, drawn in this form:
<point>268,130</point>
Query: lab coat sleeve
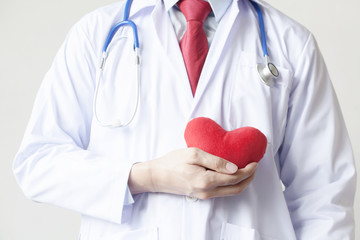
<point>317,166</point>
<point>53,164</point>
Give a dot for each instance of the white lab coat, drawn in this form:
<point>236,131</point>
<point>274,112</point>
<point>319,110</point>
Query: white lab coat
<point>68,160</point>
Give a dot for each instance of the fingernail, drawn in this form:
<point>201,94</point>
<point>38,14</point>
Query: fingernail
<point>231,167</point>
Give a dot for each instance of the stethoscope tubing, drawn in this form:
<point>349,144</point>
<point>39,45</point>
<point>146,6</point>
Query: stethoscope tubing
<point>116,28</point>
<point>113,31</point>
<point>265,72</point>
<point>117,122</point>
<point>262,28</point>
<point>124,22</point>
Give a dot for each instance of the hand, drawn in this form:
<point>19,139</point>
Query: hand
<point>191,172</point>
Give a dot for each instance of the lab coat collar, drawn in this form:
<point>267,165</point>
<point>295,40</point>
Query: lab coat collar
<point>219,7</point>
<point>138,5</point>
<point>260,2</point>
<point>170,44</point>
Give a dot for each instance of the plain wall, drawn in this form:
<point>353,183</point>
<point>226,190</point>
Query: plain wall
<point>30,34</point>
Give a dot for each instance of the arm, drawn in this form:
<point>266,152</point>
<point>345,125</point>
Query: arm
<point>190,172</point>
<point>53,164</point>
<point>316,159</point>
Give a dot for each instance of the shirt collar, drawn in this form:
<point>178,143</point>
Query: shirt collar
<point>219,7</point>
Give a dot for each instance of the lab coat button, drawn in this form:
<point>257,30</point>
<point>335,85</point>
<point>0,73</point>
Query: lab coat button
<point>191,199</point>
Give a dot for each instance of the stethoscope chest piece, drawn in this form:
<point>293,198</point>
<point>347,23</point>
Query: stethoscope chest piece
<point>267,73</point>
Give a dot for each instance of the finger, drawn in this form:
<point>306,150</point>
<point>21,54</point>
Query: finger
<point>212,162</point>
<point>249,168</point>
<point>229,190</point>
<point>217,179</point>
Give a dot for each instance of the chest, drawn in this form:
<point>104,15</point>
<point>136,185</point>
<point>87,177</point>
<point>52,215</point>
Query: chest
<point>229,90</point>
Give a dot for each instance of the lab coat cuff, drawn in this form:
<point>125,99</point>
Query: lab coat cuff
<point>128,200</point>
<point>127,205</point>
<point>126,214</point>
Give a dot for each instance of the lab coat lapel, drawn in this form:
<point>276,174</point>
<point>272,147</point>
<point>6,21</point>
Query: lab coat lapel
<point>167,37</point>
<point>215,50</point>
<point>137,6</point>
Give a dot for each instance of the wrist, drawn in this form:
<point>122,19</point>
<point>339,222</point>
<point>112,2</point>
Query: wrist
<point>140,178</point>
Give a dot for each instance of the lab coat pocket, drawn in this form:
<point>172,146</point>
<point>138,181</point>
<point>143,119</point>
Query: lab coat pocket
<point>254,103</point>
<point>94,233</point>
<point>141,234</point>
<point>234,232</point>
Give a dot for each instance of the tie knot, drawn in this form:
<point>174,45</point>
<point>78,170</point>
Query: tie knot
<point>196,10</point>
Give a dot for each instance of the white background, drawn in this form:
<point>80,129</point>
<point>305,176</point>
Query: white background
<point>31,32</point>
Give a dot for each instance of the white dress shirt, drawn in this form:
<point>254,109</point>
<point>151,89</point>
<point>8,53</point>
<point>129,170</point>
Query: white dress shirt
<point>211,22</point>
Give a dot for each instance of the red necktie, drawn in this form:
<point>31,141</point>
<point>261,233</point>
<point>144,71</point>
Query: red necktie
<point>194,44</point>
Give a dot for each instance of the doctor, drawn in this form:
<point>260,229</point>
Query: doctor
<point>140,181</point>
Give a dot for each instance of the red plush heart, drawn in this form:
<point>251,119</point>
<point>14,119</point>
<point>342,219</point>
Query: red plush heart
<point>240,146</point>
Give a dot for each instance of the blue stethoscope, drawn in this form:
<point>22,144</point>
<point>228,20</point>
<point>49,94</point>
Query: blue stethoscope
<point>266,72</point>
